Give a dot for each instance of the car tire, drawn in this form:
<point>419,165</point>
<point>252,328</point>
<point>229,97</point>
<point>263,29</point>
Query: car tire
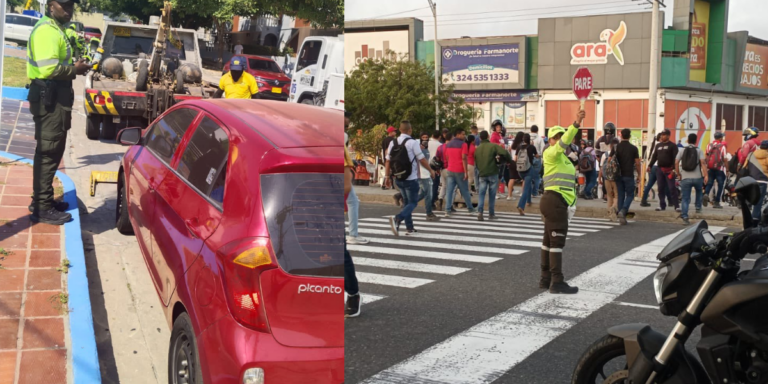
<point>142,78</point>
<point>179,87</point>
<point>92,124</point>
<point>308,102</point>
<point>122,220</point>
<point>109,129</point>
<point>183,358</point>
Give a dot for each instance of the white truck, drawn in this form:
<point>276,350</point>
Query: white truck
<point>320,59</point>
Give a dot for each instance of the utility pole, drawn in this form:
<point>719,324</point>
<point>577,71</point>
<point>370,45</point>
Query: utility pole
<point>433,6</point>
<point>653,87</point>
<point>2,37</point>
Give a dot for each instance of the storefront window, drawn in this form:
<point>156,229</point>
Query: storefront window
<point>729,117</point>
<point>757,117</point>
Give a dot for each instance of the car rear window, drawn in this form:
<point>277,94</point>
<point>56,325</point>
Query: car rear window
<point>263,65</point>
<point>133,45</point>
<point>305,218</point>
<point>93,30</point>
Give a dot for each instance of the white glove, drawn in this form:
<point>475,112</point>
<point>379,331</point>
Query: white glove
<point>571,212</point>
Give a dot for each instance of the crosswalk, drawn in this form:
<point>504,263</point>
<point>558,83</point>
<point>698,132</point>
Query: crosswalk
<point>451,246</point>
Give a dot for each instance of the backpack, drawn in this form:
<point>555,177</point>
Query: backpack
<point>523,162</point>
<point>587,161</point>
<point>733,164</point>
<point>611,169</point>
<point>402,165</point>
<point>715,157</point>
<point>690,159</point>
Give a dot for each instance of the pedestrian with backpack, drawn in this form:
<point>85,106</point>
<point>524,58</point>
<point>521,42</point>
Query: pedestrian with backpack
<point>609,172</point>
<point>757,166</point>
<point>588,166</point>
<point>716,158</point>
<point>457,171</point>
<point>629,162</point>
<point>690,165</point>
<point>403,158</point>
<point>665,154</point>
<point>526,153</point>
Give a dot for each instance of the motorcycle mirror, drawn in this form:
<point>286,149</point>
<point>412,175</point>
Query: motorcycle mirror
<point>749,189</point>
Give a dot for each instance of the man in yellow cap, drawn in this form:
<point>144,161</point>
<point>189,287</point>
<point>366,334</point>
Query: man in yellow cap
<point>237,83</point>
<point>559,195</point>
<point>50,70</point>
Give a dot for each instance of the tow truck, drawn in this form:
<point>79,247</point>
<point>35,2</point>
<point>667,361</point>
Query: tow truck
<point>145,70</point>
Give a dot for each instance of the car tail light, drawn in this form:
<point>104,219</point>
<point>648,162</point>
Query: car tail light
<point>241,262</point>
<point>99,99</point>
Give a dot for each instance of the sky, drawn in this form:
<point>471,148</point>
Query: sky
<point>478,18</point>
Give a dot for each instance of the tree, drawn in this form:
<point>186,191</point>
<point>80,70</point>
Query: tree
<point>368,141</point>
<point>387,91</point>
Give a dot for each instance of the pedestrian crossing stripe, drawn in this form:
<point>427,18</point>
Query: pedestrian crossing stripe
<point>476,225</point>
<point>503,223</point>
<point>408,266</point>
<point>366,298</point>
<point>395,281</point>
<point>522,223</point>
<point>441,237</point>
<point>457,247</point>
<point>537,217</point>
<point>424,254</point>
<point>484,235</point>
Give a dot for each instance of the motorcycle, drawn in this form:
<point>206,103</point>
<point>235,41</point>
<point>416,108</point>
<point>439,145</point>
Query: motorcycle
<point>698,281</point>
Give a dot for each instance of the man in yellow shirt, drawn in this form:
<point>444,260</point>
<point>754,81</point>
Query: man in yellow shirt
<point>238,84</point>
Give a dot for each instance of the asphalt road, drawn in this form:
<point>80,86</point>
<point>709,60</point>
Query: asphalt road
<point>489,322</point>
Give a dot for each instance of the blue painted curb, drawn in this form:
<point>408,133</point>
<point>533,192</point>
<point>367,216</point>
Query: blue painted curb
<point>15,93</point>
<point>85,357</point>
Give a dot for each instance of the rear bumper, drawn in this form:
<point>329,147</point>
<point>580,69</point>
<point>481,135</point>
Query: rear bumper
<point>117,103</point>
<point>272,96</point>
<point>246,349</point>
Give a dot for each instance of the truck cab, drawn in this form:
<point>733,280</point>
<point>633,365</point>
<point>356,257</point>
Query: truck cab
<point>318,59</point>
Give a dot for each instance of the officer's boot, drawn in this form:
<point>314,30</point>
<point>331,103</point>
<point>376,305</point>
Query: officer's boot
<point>546,278</point>
<point>50,216</point>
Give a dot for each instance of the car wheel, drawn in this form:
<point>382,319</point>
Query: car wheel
<point>109,129</point>
<point>92,126</point>
<point>122,220</point>
<point>308,102</point>
<point>183,359</point>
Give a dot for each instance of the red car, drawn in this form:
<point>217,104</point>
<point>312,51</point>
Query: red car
<point>238,209</point>
<point>272,81</point>
<point>91,32</point>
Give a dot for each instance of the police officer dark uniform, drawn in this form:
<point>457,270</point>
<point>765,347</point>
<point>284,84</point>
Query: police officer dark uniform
<point>50,70</point>
<point>559,195</point>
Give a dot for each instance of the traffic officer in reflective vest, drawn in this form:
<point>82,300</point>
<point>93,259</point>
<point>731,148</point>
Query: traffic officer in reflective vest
<point>50,70</point>
<point>559,195</point>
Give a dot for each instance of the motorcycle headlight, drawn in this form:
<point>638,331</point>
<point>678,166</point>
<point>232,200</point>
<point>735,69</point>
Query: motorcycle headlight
<point>658,283</point>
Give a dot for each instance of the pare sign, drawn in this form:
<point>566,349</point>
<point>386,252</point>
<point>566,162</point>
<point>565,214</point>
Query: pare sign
<point>597,53</point>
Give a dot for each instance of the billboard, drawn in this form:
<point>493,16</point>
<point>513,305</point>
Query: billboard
<point>699,41</point>
<point>481,64</point>
<point>489,96</point>
<point>360,46</point>
<point>753,70</point>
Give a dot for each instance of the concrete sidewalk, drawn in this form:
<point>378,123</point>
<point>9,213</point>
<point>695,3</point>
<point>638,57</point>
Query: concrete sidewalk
<point>728,216</point>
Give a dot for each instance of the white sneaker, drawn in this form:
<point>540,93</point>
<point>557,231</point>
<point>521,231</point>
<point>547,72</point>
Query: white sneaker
<point>357,240</point>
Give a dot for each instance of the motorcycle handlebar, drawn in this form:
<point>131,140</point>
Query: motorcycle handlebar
<point>751,240</point>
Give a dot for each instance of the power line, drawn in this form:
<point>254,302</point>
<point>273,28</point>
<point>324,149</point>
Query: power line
<point>539,16</point>
<point>391,14</point>
<point>600,5</point>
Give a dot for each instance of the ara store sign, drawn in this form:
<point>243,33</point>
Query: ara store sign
<point>481,64</point>
<point>582,84</point>
<point>597,53</point>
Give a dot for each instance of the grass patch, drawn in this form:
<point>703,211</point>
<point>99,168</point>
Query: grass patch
<point>3,254</point>
<point>59,302</point>
<point>14,72</point>
<point>64,267</point>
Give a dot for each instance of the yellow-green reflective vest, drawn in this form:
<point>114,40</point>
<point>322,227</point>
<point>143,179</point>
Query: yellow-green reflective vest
<point>559,172</point>
<point>48,47</point>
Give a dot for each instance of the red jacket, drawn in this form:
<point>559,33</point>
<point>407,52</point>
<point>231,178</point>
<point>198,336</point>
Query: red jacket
<point>748,147</point>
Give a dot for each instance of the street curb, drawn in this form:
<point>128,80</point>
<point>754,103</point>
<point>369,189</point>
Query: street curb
<point>588,212</point>
<point>15,93</point>
<point>85,356</point>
